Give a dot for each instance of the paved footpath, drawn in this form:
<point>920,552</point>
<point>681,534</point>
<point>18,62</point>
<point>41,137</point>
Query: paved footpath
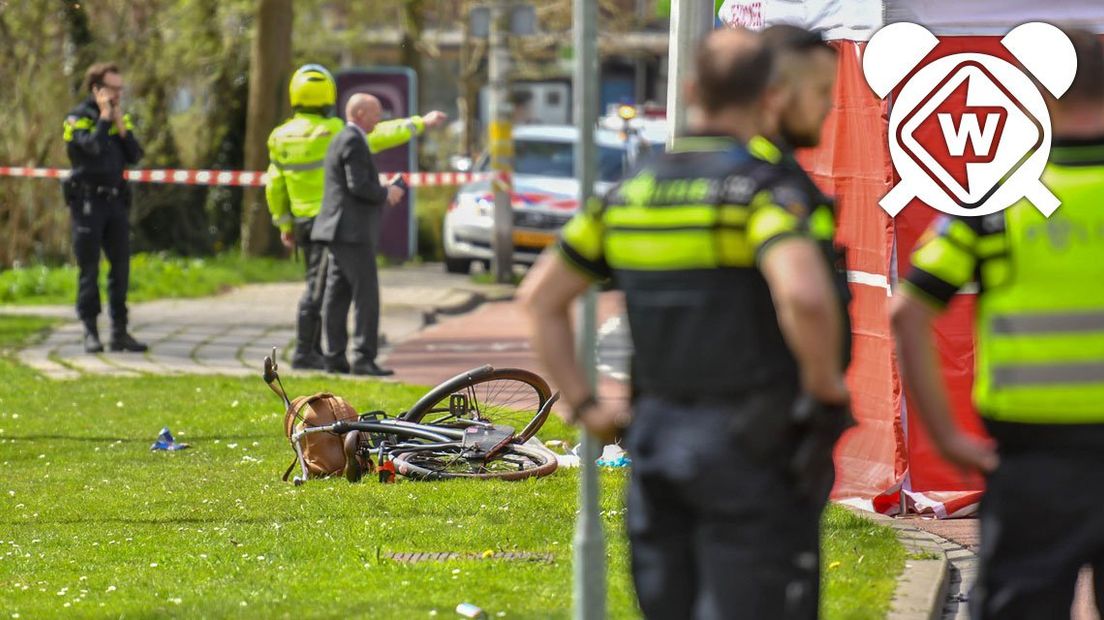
<point>231,333</point>
<point>963,538</point>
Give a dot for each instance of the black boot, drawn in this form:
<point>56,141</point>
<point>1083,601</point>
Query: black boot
<point>92,342</point>
<point>308,354</point>
<point>122,341</point>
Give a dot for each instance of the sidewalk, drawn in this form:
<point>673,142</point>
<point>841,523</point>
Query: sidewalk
<point>231,333</point>
<point>962,535</point>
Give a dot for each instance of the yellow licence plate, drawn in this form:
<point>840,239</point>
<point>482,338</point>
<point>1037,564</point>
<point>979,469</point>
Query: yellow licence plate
<point>530,239</point>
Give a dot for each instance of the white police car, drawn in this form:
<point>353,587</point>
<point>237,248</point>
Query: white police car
<point>544,194</point>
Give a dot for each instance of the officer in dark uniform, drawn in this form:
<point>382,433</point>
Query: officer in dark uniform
<point>1039,364</point>
<point>806,67</point>
<point>100,141</point>
<point>735,322</point>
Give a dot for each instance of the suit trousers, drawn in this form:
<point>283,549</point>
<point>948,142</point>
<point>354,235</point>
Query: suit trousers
<point>717,527</point>
<point>352,278</point>
<point>101,224</point>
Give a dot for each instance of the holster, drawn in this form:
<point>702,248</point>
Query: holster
<point>817,428</point>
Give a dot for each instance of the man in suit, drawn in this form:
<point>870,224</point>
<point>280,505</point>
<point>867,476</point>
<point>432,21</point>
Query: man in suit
<point>349,222</point>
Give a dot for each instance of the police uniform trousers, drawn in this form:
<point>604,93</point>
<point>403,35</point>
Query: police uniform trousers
<point>351,278</point>
<point>101,222</point>
<point>309,320</point>
<point>1041,520</point>
<point>717,527</point>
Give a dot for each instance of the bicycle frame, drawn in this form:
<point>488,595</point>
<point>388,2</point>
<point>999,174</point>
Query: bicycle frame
<point>389,427</point>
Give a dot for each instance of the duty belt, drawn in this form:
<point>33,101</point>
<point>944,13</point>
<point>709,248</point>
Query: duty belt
<point>85,189</point>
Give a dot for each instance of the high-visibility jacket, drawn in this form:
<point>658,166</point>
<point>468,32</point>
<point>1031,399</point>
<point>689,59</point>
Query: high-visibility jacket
<point>296,151</point>
<point>682,239</point>
<point>97,152</point>
<point>1040,307</point>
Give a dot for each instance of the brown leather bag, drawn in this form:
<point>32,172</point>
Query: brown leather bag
<point>323,453</point>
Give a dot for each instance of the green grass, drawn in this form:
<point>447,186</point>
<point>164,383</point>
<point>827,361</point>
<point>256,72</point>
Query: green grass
<point>861,560</point>
<point>152,276</point>
<point>94,524</point>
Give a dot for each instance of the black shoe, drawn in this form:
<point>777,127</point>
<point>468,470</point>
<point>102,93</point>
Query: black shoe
<point>126,342</point>
<point>308,362</point>
<point>371,370</point>
<point>92,343</point>
<point>337,369</point>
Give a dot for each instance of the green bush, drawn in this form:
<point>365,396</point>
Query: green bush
<point>432,203</point>
<point>152,276</point>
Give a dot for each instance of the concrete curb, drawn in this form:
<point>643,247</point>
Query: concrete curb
<point>473,300</point>
<point>922,587</point>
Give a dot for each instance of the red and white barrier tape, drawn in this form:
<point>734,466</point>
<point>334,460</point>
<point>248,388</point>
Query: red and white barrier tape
<point>244,178</point>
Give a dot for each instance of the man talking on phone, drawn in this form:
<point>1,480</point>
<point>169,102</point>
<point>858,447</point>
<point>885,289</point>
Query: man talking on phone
<point>99,139</point>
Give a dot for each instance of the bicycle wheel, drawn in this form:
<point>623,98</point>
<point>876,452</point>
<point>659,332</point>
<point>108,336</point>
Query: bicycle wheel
<point>513,462</point>
<point>505,396</point>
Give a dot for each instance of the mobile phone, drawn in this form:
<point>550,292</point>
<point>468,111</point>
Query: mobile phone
<point>400,183</point>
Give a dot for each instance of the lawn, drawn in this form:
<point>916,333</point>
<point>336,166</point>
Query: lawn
<point>95,524</point>
<point>152,276</point>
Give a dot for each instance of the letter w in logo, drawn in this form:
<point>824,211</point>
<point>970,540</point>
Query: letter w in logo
<point>980,136</point>
<point>971,134</point>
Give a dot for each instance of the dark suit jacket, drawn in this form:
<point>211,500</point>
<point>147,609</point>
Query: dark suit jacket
<point>353,197</point>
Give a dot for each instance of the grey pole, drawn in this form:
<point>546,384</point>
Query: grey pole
<point>500,141</point>
<point>590,552</point>
<point>690,21</point>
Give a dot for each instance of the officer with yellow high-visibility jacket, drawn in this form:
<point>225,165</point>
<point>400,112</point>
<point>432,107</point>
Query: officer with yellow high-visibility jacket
<point>296,150</point>
<point>1039,377</point>
<point>737,333</point>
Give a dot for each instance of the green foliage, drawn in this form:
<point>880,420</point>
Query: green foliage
<point>432,204</point>
<point>179,58</point>
<point>663,8</point>
<point>152,276</point>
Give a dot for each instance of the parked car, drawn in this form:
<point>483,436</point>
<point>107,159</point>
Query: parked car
<point>544,194</point>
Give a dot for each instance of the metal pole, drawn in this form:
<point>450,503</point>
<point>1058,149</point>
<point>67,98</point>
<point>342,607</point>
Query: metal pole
<point>590,553</point>
<point>690,21</point>
<point>501,142</point>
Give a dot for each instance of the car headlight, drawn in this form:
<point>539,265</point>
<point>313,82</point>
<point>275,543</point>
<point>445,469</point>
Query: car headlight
<point>475,204</point>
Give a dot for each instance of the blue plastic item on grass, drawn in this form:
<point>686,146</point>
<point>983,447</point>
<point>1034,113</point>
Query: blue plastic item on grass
<point>614,455</point>
<point>165,441</point>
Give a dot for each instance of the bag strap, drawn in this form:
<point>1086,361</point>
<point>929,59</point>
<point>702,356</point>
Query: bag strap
<point>290,415</point>
<point>287,473</point>
<point>297,407</point>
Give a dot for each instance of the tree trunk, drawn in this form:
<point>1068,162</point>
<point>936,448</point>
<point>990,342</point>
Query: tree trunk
<point>413,22</point>
<point>270,66</point>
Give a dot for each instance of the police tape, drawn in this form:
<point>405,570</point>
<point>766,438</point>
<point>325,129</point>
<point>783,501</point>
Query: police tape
<point>245,178</point>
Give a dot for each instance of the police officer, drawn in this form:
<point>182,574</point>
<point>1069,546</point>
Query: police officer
<point>1039,377</point>
<point>100,142</point>
<point>733,315</point>
<point>806,75</point>
<point>296,150</point>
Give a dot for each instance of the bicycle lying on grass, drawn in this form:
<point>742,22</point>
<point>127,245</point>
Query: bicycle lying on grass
<point>463,428</point>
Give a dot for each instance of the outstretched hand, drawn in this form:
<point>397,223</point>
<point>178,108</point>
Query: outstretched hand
<point>435,118</point>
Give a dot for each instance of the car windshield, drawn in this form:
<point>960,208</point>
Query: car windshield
<point>557,159</point>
